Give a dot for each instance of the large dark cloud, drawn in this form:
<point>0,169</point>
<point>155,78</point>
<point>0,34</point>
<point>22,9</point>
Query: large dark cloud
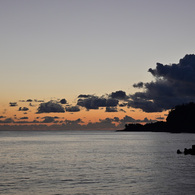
<point>50,106</point>
<point>95,102</point>
<point>174,84</point>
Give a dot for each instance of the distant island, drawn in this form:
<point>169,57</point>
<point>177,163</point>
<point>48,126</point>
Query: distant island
<point>180,119</point>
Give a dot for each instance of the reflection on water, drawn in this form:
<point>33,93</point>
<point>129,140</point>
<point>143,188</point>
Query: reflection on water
<point>95,162</point>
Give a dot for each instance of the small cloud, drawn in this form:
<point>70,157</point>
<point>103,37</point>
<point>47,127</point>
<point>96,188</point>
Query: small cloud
<point>138,85</point>
<point>72,109</point>
<point>84,96</point>
<point>123,104</point>
<point>111,109</point>
<point>63,101</point>
<point>35,100</point>
<point>23,109</point>
<point>2,117</point>
<point>13,104</point>
<point>121,110</point>
<point>24,118</point>
<point>29,100</point>
<point>121,95</point>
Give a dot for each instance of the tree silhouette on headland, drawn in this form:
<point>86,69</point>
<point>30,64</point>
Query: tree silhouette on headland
<point>180,119</point>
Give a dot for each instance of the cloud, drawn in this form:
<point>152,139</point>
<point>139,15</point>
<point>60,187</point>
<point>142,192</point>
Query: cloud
<point>2,117</point>
<point>123,104</point>
<point>111,109</point>
<point>84,96</point>
<point>174,84</point>
<point>23,109</point>
<point>38,100</point>
<point>29,100</point>
<point>30,104</point>
<point>24,118</point>
<point>121,110</point>
<point>72,109</point>
<point>121,95</point>
<point>48,119</point>
<point>68,122</point>
<point>7,120</point>
<point>13,104</point>
<point>95,102</point>
<point>103,124</point>
<point>138,85</point>
<point>50,106</point>
<point>63,101</point>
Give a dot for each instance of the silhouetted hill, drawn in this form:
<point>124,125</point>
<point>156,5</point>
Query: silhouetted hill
<point>182,118</point>
<point>179,119</point>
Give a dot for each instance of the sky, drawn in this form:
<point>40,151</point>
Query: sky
<point>94,64</point>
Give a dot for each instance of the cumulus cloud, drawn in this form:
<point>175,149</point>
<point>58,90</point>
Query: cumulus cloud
<point>49,107</point>
<point>23,109</point>
<point>174,84</point>
<point>13,104</point>
<point>111,109</point>
<point>95,102</point>
<point>138,85</point>
<point>63,101</point>
<point>121,95</point>
<point>72,109</point>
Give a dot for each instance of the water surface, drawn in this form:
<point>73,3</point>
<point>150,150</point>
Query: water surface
<point>95,162</point>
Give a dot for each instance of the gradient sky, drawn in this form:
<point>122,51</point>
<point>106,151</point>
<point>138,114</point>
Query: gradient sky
<point>60,49</point>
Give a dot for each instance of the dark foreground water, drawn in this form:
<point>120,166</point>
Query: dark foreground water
<point>95,162</point>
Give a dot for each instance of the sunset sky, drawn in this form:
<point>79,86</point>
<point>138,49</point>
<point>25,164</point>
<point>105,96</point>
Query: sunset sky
<point>92,64</point>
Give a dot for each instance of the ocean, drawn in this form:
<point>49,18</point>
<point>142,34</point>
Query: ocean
<point>95,162</point>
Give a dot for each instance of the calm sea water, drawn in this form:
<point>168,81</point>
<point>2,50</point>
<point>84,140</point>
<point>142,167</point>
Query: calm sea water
<point>95,162</point>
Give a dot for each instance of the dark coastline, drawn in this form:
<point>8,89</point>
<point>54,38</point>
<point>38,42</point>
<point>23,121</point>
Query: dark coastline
<point>179,120</point>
